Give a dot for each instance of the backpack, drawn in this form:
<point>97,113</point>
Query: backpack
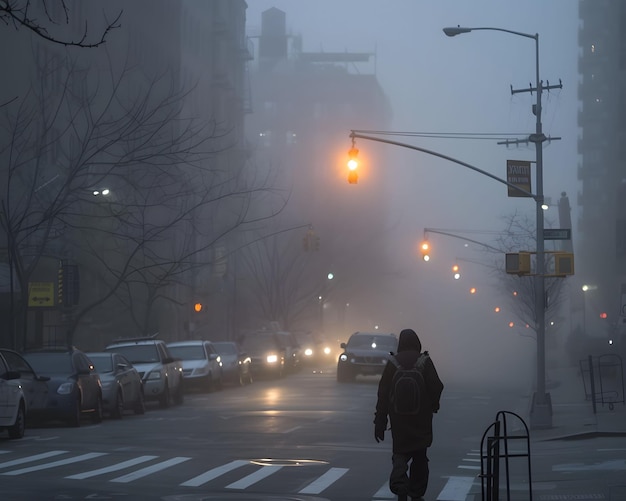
<point>407,387</point>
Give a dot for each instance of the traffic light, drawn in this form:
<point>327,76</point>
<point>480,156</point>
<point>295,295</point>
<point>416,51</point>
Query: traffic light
<point>456,271</point>
<point>563,264</point>
<point>517,263</point>
<point>197,307</point>
<point>316,243</point>
<point>425,250</point>
<point>353,164</point>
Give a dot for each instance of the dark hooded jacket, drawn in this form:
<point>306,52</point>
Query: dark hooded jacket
<point>409,432</point>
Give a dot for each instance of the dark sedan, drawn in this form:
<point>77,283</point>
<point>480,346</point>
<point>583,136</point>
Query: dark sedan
<point>74,387</point>
<point>365,354</point>
<point>122,388</point>
<point>235,362</point>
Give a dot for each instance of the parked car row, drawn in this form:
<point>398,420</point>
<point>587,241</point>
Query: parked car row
<point>66,384</point>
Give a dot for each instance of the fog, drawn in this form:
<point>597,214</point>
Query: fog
<point>442,85</point>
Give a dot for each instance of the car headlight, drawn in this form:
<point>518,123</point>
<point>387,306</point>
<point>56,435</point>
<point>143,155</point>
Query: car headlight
<point>343,357</point>
<point>308,352</point>
<point>272,359</point>
<point>153,375</point>
<point>327,351</point>
<point>65,388</point>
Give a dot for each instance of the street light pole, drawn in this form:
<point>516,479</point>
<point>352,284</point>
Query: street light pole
<point>541,411</point>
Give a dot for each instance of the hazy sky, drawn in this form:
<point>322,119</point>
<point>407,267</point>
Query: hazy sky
<point>461,84</point>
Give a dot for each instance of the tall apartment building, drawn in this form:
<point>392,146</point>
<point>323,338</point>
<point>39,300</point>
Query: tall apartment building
<point>601,249</point>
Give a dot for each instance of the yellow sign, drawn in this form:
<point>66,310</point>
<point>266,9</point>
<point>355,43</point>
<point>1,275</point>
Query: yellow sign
<point>41,294</point>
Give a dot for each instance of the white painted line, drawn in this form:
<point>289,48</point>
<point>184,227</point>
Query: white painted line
<point>255,477</point>
<point>109,469</point>
<point>4,452</point>
<point>472,460</point>
<point>29,459</point>
<point>149,470</point>
<point>463,467</point>
<point>456,489</point>
<point>54,464</point>
<point>384,492</point>
<point>324,481</point>
<point>292,429</point>
<point>214,473</point>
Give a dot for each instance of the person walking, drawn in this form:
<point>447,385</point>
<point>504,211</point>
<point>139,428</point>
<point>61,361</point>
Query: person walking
<point>411,433</point>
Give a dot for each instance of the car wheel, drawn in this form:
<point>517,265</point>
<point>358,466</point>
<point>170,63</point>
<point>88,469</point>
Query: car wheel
<point>18,428</point>
<point>117,411</point>
<point>164,399</point>
<point>96,417</point>
<point>74,419</point>
<point>140,405</point>
<point>343,376</point>
<point>179,396</point>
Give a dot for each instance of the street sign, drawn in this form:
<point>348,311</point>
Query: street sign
<point>41,294</point>
<point>557,234</point>
<point>518,174</point>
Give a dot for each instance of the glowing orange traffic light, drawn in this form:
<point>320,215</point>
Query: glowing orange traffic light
<point>456,271</point>
<point>197,307</point>
<point>353,165</point>
<point>425,250</point>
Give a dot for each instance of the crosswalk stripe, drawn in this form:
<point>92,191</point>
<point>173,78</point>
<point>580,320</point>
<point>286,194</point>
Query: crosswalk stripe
<point>149,470</point>
<point>456,489</point>
<point>384,492</point>
<point>54,464</point>
<point>207,476</point>
<point>255,477</point>
<point>29,459</point>
<point>324,481</point>
<point>109,469</point>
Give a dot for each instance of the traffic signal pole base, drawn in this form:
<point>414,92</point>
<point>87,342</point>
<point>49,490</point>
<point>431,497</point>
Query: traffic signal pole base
<point>541,412</point>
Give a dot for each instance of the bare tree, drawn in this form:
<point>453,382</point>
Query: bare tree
<point>168,204</point>
<point>41,17</point>
<point>519,235</point>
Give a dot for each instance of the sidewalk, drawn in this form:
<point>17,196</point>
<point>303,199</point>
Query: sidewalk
<point>573,419</point>
<point>572,407</point>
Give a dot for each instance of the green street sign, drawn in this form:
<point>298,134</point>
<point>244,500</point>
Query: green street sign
<point>557,234</point>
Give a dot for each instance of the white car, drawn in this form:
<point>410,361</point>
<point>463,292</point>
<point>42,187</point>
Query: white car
<point>12,401</point>
<point>161,373</point>
<point>202,365</point>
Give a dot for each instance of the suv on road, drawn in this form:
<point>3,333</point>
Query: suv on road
<point>365,354</point>
<point>161,373</point>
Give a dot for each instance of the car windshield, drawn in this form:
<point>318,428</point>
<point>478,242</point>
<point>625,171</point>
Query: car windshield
<point>225,348</point>
<point>102,363</point>
<point>194,352</point>
<point>50,363</point>
<point>260,340</point>
<point>386,343</point>
<point>138,353</point>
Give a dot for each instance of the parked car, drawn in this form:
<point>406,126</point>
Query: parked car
<point>74,387</point>
<point>122,388</point>
<point>161,373</point>
<point>201,364</point>
<point>35,387</point>
<point>235,362</point>
<point>365,354</point>
<point>12,401</point>
<point>266,352</point>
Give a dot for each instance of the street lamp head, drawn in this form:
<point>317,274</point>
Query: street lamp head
<point>451,31</point>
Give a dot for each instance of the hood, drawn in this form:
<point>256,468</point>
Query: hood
<point>409,341</point>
